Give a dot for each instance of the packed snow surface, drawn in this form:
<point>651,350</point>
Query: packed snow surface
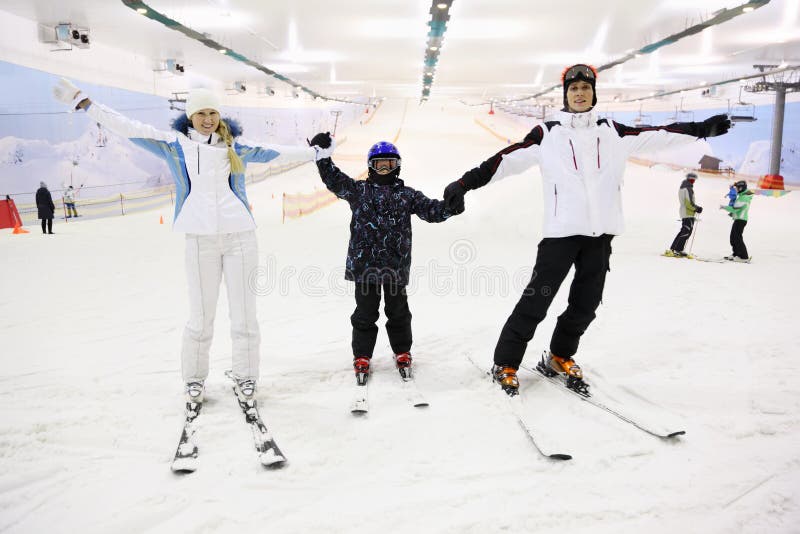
<point>91,397</point>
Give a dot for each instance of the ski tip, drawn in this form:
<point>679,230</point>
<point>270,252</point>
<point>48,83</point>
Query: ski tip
<point>559,456</point>
<point>676,434</point>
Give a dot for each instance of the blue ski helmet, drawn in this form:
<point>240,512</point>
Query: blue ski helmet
<point>383,148</point>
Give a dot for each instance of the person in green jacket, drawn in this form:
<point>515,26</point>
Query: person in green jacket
<point>739,212</point>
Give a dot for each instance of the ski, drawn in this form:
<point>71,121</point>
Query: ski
<point>360,404</point>
<point>560,383</point>
<point>712,260</point>
<point>409,386</point>
<point>185,460</point>
<point>268,452</point>
<point>516,409</point>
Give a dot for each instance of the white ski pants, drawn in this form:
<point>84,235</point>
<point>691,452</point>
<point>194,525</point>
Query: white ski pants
<point>208,258</point>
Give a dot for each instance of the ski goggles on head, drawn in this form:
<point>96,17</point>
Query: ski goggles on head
<point>578,71</point>
<point>384,164</point>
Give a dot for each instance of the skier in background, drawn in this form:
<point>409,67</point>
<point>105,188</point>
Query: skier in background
<point>731,195</point>
<point>211,207</point>
<point>687,210</point>
<point>69,202</point>
<point>582,161</point>
<point>45,207</point>
<point>739,212</point>
<point>379,252</point>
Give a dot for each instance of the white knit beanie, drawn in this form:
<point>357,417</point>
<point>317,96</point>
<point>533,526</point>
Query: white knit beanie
<point>201,99</point>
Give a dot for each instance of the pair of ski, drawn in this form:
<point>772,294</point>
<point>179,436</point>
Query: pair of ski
<point>560,382</point>
<point>693,257</point>
<point>186,456</point>
<point>360,403</point>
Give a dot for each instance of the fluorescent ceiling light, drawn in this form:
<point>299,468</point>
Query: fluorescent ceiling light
<point>287,68</point>
<point>210,18</point>
<point>442,6</point>
<point>747,9</point>
<point>141,11</point>
<point>223,51</point>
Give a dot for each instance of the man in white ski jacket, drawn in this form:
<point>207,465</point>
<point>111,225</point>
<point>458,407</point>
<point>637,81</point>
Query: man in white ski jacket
<point>582,161</point>
<point>208,167</point>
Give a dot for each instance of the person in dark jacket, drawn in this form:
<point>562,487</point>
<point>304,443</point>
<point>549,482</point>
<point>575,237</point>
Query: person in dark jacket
<point>582,161</point>
<point>687,210</point>
<point>379,252</point>
<point>46,208</point>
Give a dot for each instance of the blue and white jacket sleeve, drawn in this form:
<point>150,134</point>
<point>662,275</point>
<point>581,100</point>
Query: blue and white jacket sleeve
<point>143,135</point>
<point>250,153</point>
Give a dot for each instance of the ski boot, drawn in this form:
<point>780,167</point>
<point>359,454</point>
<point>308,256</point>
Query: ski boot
<point>552,365</point>
<point>507,378</point>
<point>361,368</point>
<point>245,389</point>
<point>195,391</point>
<point>403,363</point>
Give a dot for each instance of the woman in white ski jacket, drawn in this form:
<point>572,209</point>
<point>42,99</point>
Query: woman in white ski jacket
<point>211,207</point>
<point>582,161</point>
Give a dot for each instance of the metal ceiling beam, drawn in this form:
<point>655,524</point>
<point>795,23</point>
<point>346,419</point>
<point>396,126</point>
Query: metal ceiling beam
<point>147,11</point>
<point>721,16</point>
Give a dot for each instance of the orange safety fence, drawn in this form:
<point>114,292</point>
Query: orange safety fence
<point>297,205</point>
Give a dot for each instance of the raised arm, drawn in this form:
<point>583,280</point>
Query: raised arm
<point>513,159</point>
<point>430,210</point>
<point>335,180</point>
<point>264,154</point>
<point>69,94</point>
<point>654,138</point>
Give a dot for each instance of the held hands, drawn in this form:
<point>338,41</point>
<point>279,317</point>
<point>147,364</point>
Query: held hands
<point>454,197</point>
<point>67,93</point>
<point>699,209</point>
<point>716,125</point>
<point>323,145</point>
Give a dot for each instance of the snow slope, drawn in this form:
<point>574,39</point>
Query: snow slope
<point>91,402</point>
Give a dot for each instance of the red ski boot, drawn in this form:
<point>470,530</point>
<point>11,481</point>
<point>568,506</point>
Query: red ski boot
<point>361,368</point>
<point>403,363</point>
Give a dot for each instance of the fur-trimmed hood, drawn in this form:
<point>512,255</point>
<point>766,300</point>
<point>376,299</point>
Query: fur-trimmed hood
<point>182,123</point>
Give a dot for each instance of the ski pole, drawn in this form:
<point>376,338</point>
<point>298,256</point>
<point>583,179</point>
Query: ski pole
<point>694,233</point>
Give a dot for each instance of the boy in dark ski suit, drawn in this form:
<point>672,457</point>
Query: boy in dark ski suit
<point>379,252</point>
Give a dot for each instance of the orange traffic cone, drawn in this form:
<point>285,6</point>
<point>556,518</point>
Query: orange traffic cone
<point>161,220</point>
<point>19,230</point>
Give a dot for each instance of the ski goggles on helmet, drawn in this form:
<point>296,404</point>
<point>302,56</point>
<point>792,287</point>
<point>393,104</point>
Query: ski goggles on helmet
<point>384,164</point>
<point>578,71</point>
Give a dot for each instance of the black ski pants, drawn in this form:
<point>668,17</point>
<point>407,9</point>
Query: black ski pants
<point>47,226</point>
<point>679,242</point>
<point>398,317</point>
<point>590,256</point>
<point>737,241</point>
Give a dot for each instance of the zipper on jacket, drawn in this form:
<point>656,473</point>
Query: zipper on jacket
<point>574,160</point>
<point>555,209</point>
<point>598,152</point>
<point>198,160</point>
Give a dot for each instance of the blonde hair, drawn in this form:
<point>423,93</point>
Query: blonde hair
<point>237,165</point>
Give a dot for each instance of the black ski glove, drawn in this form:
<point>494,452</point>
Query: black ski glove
<point>454,196</point>
<point>699,209</point>
<point>322,140</point>
<point>714,126</point>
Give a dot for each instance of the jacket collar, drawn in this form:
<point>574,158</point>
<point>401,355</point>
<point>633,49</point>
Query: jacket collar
<point>577,120</point>
<point>211,139</point>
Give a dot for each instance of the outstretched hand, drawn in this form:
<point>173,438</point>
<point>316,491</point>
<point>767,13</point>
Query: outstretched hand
<point>454,197</point>
<point>65,91</point>
<point>323,145</point>
<point>716,125</point>
<point>322,140</point>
